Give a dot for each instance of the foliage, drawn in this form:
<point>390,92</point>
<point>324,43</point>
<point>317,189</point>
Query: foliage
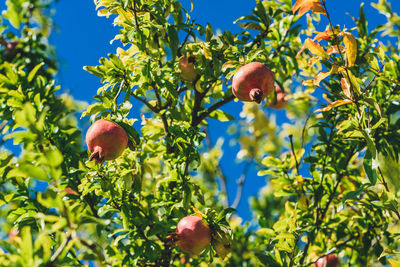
<point>331,170</point>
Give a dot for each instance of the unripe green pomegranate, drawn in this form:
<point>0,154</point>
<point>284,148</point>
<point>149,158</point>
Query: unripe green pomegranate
<point>328,261</point>
<point>106,140</point>
<point>193,234</point>
<point>280,101</point>
<point>188,71</point>
<point>253,82</point>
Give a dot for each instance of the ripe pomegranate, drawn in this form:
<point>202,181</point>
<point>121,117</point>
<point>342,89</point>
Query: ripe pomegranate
<point>328,261</point>
<point>193,234</point>
<point>106,140</point>
<point>280,101</point>
<point>253,82</point>
<point>188,72</point>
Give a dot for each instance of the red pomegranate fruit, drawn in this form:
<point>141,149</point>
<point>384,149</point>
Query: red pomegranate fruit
<point>106,140</point>
<point>328,261</point>
<point>193,235</point>
<point>253,82</point>
<point>280,101</point>
<point>188,71</point>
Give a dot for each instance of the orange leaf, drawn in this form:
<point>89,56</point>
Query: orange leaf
<point>334,105</point>
<point>304,6</point>
<point>314,48</point>
<point>394,263</point>
<point>345,87</point>
<point>326,35</point>
<point>321,76</point>
<point>351,48</point>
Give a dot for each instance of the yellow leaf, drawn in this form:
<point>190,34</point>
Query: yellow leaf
<point>314,48</point>
<point>394,263</point>
<point>304,6</point>
<point>334,105</point>
<point>351,48</point>
<point>321,76</point>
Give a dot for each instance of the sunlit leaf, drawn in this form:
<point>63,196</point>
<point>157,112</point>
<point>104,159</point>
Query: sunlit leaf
<point>351,48</point>
<point>314,48</point>
<point>334,105</point>
<point>345,87</point>
<point>303,6</point>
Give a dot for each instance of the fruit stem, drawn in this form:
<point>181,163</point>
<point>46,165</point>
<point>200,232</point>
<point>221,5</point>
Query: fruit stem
<point>97,155</point>
<point>256,95</point>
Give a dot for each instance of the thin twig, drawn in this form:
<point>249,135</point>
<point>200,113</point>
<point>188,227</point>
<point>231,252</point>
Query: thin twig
<point>186,38</point>
<point>134,12</point>
<point>223,179</point>
<point>319,219</point>
<point>203,115</point>
<point>163,118</point>
<point>293,250</point>
<point>387,189</point>
<point>60,249</point>
<point>119,92</point>
<point>144,101</point>
<point>240,183</point>
<point>294,153</point>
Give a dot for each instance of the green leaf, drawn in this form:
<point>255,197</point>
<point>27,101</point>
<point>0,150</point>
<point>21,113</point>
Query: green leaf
<point>33,72</point>
<point>209,32</point>
<point>173,41</point>
<point>221,115</point>
<point>95,71</point>
<point>250,26</point>
<point>131,132</point>
<point>34,172</point>
<point>54,157</point>
<point>222,215</point>
<point>355,194</point>
<point>26,246</point>
<point>370,168</point>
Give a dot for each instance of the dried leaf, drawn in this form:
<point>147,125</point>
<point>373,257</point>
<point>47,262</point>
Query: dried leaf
<point>304,6</point>
<point>351,48</point>
<point>334,105</point>
<point>334,50</point>
<point>345,87</point>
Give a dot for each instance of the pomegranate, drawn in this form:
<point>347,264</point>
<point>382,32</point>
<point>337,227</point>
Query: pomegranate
<point>106,140</point>
<point>280,101</point>
<point>328,261</point>
<point>193,235</point>
<point>253,82</point>
<point>188,72</point>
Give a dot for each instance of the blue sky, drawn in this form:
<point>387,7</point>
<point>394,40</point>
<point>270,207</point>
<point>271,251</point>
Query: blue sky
<point>81,38</point>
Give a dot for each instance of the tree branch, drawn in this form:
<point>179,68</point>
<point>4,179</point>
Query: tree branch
<point>240,183</point>
<point>60,249</point>
<point>294,153</point>
<point>151,107</point>
<point>223,179</point>
<point>203,115</point>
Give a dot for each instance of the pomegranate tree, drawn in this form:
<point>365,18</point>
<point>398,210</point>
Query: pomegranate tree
<point>192,234</point>
<point>253,82</point>
<point>280,100</point>
<point>186,66</point>
<point>106,140</point>
<point>328,261</point>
